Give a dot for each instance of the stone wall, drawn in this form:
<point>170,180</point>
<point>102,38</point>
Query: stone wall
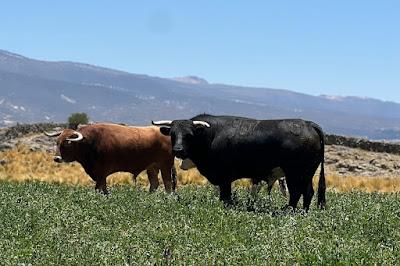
<point>365,144</point>
<point>19,130</point>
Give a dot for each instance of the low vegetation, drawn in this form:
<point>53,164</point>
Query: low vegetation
<point>56,224</point>
<point>50,214</point>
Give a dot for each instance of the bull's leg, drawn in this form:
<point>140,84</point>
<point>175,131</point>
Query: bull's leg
<point>166,176</point>
<point>101,185</point>
<point>225,192</point>
<point>270,182</point>
<point>269,188</point>
<point>295,189</point>
<point>134,179</point>
<point>174,177</point>
<point>255,187</point>
<point>294,198</point>
<point>152,174</point>
<point>282,185</point>
<point>308,193</point>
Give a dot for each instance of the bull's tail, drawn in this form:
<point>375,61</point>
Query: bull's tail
<point>321,182</point>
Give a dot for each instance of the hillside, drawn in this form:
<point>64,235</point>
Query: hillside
<point>41,91</point>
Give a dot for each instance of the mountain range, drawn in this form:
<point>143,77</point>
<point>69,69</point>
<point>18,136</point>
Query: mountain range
<point>39,91</point>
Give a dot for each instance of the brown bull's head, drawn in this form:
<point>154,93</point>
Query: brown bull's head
<point>65,144</point>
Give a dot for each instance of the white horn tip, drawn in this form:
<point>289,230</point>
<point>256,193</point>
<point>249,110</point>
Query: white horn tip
<point>54,134</point>
<point>162,122</point>
<point>202,123</point>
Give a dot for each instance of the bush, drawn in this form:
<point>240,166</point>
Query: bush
<point>77,118</point>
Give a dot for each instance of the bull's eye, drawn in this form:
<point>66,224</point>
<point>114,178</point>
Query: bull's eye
<point>189,135</point>
<point>67,143</point>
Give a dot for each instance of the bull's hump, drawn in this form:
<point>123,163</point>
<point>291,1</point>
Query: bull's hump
<point>296,128</point>
<point>120,131</point>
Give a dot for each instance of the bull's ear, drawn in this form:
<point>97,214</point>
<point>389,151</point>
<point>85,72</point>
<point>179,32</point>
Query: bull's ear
<point>200,126</point>
<point>165,130</point>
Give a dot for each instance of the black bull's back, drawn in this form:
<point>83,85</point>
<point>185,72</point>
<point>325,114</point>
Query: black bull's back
<point>243,148</point>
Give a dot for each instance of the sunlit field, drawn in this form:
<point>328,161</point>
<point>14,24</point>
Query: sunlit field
<point>52,224</point>
<point>62,220</point>
<point>22,165</point>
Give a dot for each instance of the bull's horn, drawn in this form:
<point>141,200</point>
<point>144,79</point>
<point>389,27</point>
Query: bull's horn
<point>162,122</point>
<point>54,134</point>
<point>202,123</point>
<point>80,136</point>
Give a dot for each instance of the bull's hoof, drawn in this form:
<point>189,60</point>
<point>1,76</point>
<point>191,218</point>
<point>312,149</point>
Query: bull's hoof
<point>227,202</point>
<point>288,208</point>
<point>322,205</point>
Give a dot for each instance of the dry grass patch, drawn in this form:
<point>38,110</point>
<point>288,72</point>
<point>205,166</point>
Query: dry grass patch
<point>366,184</point>
<point>22,165</point>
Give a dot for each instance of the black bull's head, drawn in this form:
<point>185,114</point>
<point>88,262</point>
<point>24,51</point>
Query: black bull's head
<point>183,134</point>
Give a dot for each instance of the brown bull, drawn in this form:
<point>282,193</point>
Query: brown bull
<point>103,149</point>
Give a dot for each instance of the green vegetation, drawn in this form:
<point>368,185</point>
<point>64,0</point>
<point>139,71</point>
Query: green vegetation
<point>77,118</point>
<point>45,224</point>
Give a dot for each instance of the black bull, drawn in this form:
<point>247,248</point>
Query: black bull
<point>227,148</point>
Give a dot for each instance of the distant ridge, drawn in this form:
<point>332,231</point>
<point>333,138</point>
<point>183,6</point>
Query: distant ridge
<point>41,91</point>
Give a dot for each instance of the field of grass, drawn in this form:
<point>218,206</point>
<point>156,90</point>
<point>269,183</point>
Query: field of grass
<point>50,214</point>
<point>46,223</point>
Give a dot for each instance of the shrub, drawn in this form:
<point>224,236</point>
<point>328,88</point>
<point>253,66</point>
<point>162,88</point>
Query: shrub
<point>77,118</point>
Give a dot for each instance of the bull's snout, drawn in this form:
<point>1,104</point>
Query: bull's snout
<point>58,159</point>
<point>179,152</point>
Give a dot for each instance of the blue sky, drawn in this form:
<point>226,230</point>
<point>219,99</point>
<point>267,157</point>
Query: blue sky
<point>314,47</point>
